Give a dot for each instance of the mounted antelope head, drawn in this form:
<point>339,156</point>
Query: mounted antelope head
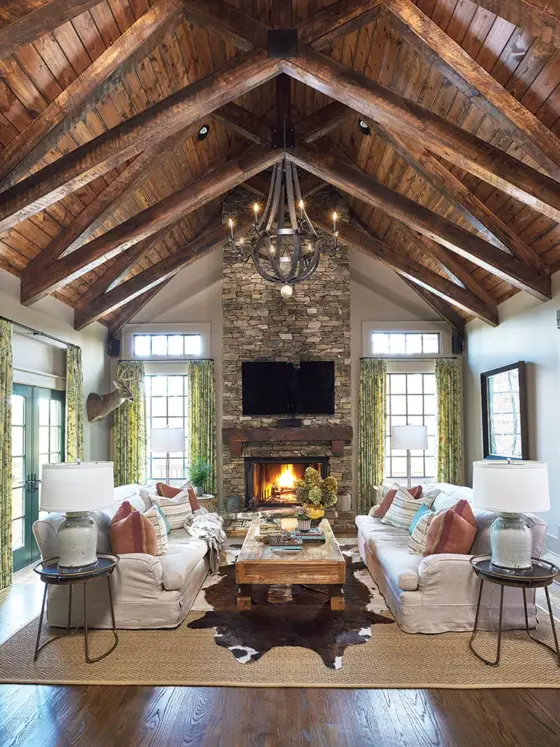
<point>100,405</point>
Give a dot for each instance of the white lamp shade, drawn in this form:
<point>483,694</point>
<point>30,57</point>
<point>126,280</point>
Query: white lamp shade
<point>409,437</point>
<point>72,486</point>
<point>165,440</point>
<point>511,487</point>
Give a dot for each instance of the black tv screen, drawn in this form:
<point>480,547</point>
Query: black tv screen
<point>305,388</point>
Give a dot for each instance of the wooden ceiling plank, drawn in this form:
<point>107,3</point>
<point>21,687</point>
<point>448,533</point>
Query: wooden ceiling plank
<point>210,186</point>
<point>104,205</point>
<point>323,121</point>
<point>244,122</point>
<point>469,205</point>
<point>477,84</point>
<point>231,24</point>
<point>43,133</point>
<point>350,179</point>
<point>336,20</point>
<point>22,28</point>
<point>538,17</point>
<point>103,153</point>
<point>127,312</point>
<point>361,238</point>
<point>440,136</point>
<point>124,292</point>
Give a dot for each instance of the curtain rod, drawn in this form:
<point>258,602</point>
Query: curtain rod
<point>35,332</point>
<point>428,357</point>
<point>162,360</point>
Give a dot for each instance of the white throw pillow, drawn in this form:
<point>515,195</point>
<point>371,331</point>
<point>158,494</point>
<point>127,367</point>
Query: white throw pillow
<point>176,509</point>
<point>154,516</point>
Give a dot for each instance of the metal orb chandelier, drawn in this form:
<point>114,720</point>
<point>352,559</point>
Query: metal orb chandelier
<point>283,243</point>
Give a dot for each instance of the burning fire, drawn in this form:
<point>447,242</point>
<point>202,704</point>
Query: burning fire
<point>287,478</point>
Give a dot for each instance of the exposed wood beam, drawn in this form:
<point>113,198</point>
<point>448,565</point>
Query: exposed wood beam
<point>213,184</point>
<point>154,275</point>
<point>441,307</point>
<point>120,268</point>
<point>244,122</point>
<point>323,121</point>
<point>104,205</point>
<point>417,273</point>
<point>23,22</point>
<point>479,86</point>
<point>127,312</point>
<point>165,118</point>
<point>350,179</point>
<point>469,205</point>
<point>42,134</point>
<point>437,134</point>
<point>338,19</point>
<point>538,17</point>
<point>227,22</point>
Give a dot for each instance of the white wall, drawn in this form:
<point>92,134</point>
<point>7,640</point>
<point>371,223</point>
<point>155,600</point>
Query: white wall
<point>527,331</point>
<point>377,294</point>
<point>39,354</point>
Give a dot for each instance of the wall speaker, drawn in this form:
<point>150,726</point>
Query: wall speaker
<point>457,344</point>
<point>114,348</point>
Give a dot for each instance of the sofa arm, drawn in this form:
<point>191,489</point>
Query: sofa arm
<point>137,575</point>
<point>448,573</point>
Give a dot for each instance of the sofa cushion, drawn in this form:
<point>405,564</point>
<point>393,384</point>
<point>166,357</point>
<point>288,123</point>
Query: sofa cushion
<point>400,567</point>
<point>450,494</point>
<point>180,562</point>
<point>376,534</point>
<point>132,532</point>
<point>452,530</point>
<point>378,512</point>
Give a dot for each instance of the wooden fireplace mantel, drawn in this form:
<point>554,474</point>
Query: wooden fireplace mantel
<point>338,435</point>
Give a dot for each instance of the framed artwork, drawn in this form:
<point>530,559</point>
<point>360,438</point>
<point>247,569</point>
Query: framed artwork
<point>504,412</point>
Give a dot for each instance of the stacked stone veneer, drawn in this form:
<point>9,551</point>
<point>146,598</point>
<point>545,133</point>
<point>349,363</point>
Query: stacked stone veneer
<point>259,325</point>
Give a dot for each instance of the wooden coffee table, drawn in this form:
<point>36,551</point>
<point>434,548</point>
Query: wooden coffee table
<point>316,564</point>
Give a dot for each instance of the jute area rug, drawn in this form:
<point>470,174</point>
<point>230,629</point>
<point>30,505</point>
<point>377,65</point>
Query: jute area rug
<point>290,644</point>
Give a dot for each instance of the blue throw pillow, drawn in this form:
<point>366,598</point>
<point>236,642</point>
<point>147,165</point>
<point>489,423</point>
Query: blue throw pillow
<point>424,509</point>
<point>165,520</point>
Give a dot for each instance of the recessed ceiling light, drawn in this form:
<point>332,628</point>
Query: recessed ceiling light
<point>364,127</point>
<point>203,132</point>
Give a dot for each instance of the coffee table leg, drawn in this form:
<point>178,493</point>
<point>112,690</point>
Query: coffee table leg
<point>244,597</point>
<point>336,594</point>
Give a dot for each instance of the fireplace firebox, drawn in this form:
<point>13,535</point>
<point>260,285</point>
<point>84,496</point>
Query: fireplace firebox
<point>272,480</point>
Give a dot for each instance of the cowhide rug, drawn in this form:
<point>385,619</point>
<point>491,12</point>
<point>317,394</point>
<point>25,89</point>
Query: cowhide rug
<point>307,621</point>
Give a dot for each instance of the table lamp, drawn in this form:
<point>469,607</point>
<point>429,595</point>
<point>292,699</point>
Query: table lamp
<point>409,437</point>
<point>76,489</point>
<point>167,440</point>
<point>510,488</point>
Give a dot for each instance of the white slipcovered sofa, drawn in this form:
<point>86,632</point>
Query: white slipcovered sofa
<point>438,593</point>
<point>148,591</point>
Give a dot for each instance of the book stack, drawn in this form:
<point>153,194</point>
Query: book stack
<point>314,535</point>
<point>284,542</point>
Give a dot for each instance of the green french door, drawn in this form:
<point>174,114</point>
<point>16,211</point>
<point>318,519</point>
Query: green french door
<point>37,439</point>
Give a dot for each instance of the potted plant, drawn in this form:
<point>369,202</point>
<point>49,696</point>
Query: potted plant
<point>316,494</point>
<point>303,520</point>
<point>199,472</point>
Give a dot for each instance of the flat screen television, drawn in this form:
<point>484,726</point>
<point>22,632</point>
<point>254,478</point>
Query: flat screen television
<point>305,388</point>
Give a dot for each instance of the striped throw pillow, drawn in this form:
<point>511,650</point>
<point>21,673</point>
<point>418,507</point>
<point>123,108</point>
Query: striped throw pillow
<point>417,541</point>
<point>156,517</point>
<point>379,511</point>
<point>176,509</point>
<point>402,509</point>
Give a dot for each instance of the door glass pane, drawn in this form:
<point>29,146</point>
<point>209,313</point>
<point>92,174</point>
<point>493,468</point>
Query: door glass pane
<point>17,471</point>
<point>17,503</point>
<point>43,440</point>
<point>44,408</point>
<point>18,410</point>
<point>17,534</point>
<point>56,411</point>
<point>17,440</point>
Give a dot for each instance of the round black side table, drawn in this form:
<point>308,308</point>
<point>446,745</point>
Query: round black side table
<point>50,573</point>
<point>540,575</point>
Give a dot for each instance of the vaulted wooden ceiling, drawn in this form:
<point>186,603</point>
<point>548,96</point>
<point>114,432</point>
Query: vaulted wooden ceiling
<point>106,192</point>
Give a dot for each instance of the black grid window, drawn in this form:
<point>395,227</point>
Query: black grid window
<point>411,400</point>
<point>405,343</point>
<point>166,346</point>
<point>167,405</point>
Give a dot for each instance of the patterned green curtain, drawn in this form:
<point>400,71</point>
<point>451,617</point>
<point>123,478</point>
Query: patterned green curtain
<point>5,453</point>
<point>129,427</point>
<point>74,405</point>
<point>372,408</point>
<point>202,416</point>
<point>450,441</point>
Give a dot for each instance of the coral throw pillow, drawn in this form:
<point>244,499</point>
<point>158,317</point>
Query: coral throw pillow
<point>385,504</point>
<point>166,491</point>
<point>452,530</point>
<point>131,531</point>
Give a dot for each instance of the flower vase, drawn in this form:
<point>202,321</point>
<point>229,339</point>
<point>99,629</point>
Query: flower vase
<point>316,514</point>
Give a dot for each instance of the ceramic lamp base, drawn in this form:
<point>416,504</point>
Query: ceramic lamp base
<point>511,542</point>
<point>77,542</point>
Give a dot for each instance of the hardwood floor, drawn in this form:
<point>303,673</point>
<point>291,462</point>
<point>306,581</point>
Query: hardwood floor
<point>240,717</point>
